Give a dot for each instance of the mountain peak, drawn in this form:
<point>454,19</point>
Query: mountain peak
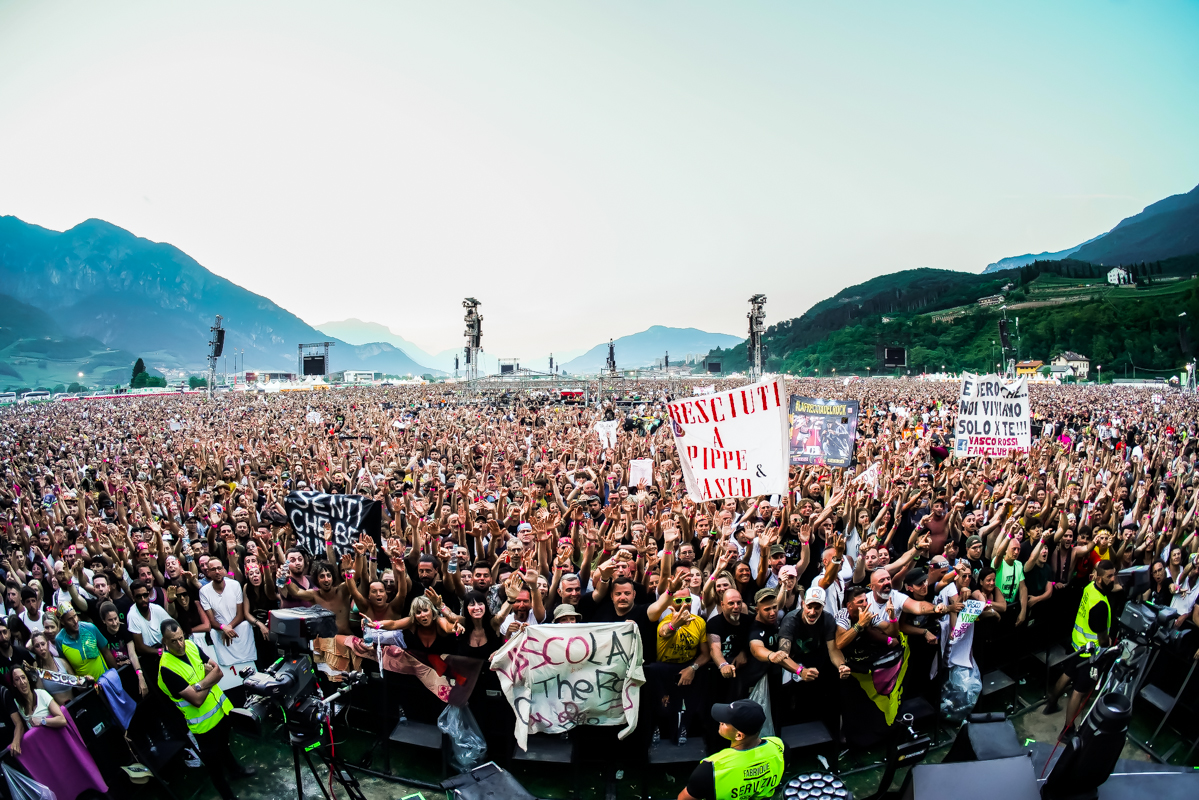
<point>1167,228</point>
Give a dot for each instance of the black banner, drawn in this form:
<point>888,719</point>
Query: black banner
<point>349,514</point>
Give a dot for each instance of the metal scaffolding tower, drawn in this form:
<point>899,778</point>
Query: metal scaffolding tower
<point>757,326</point>
<point>216,346</point>
<point>474,338</point>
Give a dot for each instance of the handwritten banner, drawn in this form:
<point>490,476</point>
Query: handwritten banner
<point>733,443</point>
<point>823,431</point>
<point>349,514</point>
<point>993,417</point>
<point>559,677</point>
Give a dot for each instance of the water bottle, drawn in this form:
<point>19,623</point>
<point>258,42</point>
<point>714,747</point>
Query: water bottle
<point>452,567</point>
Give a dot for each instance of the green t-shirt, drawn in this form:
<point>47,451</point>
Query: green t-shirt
<point>1008,577</point>
<point>82,652</point>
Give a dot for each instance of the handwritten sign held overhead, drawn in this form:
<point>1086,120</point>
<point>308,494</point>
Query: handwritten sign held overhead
<point>559,677</point>
<point>993,417</point>
<point>733,443</point>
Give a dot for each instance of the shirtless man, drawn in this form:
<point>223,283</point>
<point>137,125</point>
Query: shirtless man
<point>375,606</point>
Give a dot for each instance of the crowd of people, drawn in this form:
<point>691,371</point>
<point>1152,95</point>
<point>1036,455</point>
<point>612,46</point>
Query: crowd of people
<point>151,533</point>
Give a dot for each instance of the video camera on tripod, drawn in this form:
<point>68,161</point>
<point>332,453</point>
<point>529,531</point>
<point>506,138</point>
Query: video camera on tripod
<point>290,683</point>
<point>1145,623</point>
<point>1095,743</point>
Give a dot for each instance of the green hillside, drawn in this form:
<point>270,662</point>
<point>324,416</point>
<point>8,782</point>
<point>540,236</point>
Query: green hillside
<point>1061,305</point>
<point>35,352</point>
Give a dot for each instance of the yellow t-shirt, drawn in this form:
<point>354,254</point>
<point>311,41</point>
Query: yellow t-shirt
<point>684,645</point>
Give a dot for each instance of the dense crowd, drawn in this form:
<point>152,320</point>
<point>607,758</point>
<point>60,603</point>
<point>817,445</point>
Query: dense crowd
<point>151,532</point>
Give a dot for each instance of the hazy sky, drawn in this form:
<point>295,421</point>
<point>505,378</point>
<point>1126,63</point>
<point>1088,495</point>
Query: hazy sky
<point>589,169</point>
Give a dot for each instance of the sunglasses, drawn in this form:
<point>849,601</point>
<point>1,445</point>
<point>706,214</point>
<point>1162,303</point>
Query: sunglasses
<point>140,596</point>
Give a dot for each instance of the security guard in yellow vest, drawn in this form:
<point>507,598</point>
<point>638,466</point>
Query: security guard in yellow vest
<point>1091,625</point>
<point>189,678</point>
<point>751,768</point>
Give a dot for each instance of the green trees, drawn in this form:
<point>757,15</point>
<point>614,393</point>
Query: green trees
<point>142,379</point>
<point>1118,333</point>
<point>196,382</point>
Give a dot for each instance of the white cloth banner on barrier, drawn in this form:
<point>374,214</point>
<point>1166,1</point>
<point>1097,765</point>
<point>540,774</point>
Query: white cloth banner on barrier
<point>734,443</point>
<point>559,677</point>
<point>993,417</point>
<point>607,432</point>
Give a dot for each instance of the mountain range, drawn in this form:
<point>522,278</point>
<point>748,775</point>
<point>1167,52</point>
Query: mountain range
<point>105,289</point>
<point>644,349</point>
<point>1165,229</point>
<point>1053,302</point>
<point>85,303</point>
<point>82,305</point>
<point>356,331</point>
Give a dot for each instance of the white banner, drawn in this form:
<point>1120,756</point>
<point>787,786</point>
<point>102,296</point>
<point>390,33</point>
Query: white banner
<point>559,677</point>
<point>734,443</point>
<point>993,416</point>
<point>641,469</point>
<point>709,389</point>
<point>607,432</point>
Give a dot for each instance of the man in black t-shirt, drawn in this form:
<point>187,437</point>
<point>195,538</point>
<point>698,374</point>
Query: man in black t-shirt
<point>809,636</point>
<point>768,664</point>
<point>624,606</point>
<point>621,607</point>
<point>973,553</point>
<point>11,653</point>
<point>764,638</point>
<point>598,603</point>
<point>728,639</point>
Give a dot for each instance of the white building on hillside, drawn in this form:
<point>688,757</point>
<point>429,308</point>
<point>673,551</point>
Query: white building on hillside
<point>1119,276</point>
<point>1080,364</point>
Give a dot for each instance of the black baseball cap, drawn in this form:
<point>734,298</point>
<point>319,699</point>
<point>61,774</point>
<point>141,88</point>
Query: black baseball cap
<point>744,715</point>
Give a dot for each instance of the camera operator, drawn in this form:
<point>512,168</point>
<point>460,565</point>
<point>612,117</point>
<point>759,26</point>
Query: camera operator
<point>189,677</point>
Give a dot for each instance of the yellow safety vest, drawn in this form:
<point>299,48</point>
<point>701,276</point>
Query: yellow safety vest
<point>747,774</point>
<point>205,716</point>
<point>1083,635</point>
